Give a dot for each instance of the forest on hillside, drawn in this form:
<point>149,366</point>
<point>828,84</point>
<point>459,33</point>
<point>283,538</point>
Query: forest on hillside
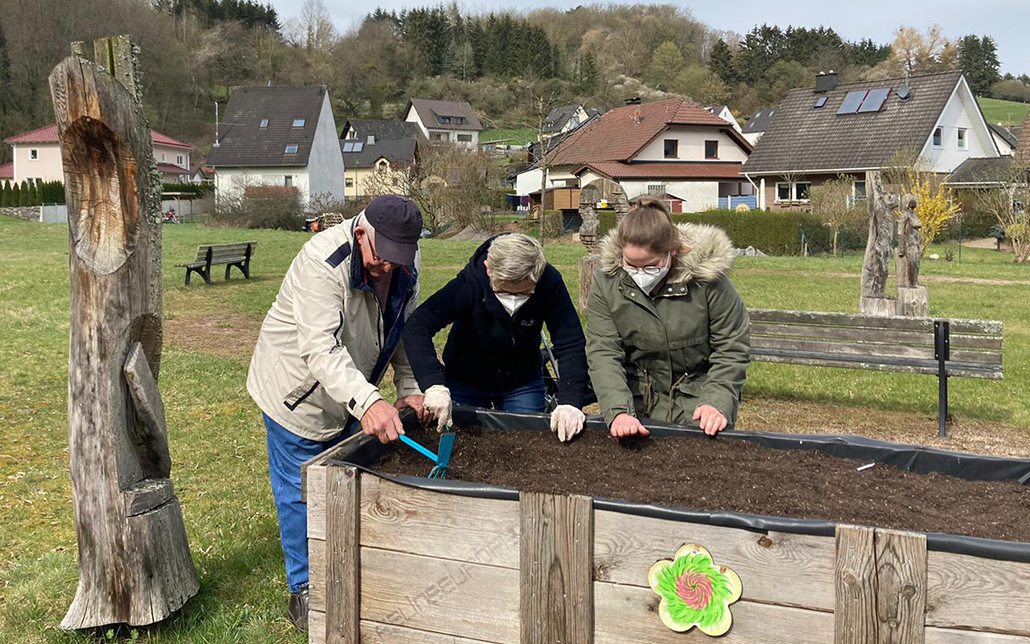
<point>512,66</point>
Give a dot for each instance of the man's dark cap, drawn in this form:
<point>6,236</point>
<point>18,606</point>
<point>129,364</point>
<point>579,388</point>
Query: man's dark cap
<point>397,223</point>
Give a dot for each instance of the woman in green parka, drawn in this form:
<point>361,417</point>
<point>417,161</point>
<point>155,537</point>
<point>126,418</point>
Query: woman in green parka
<point>667,335</point>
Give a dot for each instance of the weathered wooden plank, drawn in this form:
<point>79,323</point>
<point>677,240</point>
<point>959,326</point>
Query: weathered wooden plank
<point>147,495</point>
<point>913,338</point>
<point>315,499</point>
<point>379,633</point>
<point>556,597</point>
<point>871,350</point>
<point>342,552</point>
<point>316,627</point>
<point>435,524</point>
<point>629,615</point>
<point>988,373</point>
<point>855,619</point>
<point>316,574</point>
<point>151,434</point>
<point>994,327</point>
<point>625,547</point>
<point>323,458</point>
<point>951,636</point>
<point>443,596</point>
<point>900,586</point>
<point>976,593</point>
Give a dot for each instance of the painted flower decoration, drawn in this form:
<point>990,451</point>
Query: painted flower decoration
<point>695,591</point>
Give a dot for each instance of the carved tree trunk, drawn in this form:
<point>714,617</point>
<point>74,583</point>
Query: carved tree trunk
<point>134,559</point>
<point>876,268</point>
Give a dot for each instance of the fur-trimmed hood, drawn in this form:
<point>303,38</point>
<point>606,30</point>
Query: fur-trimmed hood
<point>706,253</point>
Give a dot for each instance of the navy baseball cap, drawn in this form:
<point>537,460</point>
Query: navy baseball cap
<point>397,223</point>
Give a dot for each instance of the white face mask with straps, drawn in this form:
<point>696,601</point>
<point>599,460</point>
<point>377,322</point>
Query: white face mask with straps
<point>649,277</point>
<point>511,302</point>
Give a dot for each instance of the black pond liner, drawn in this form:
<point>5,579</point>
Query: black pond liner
<point>367,451</point>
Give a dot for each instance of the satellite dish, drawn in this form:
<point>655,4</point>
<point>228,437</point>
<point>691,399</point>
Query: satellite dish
<point>904,92</point>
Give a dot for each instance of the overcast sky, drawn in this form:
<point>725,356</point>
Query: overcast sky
<point>1006,21</point>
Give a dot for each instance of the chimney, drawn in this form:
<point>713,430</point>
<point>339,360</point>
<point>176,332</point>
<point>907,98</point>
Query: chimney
<point>826,82</point>
<point>636,114</point>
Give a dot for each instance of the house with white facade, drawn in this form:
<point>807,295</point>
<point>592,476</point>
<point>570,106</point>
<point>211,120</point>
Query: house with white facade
<point>566,118</point>
<point>832,130</point>
<point>445,121</point>
<point>725,113</point>
<point>671,149</point>
<point>37,156</point>
<point>278,136</point>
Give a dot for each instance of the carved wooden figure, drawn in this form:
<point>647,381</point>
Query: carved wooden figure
<point>876,268</point>
<point>908,243</point>
<point>134,559</point>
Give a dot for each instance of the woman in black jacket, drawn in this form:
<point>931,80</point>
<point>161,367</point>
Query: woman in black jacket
<point>498,304</point>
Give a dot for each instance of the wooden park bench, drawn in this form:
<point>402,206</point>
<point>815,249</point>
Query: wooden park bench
<point>230,255</point>
<point>942,347</point>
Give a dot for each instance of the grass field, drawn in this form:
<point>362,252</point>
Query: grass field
<point>1005,112</point>
<point>518,137</point>
<point>218,443</point>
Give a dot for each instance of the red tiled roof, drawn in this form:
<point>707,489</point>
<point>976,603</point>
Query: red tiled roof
<point>171,168</point>
<point>618,134</point>
<point>663,170</point>
<point>48,134</point>
<point>7,171</point>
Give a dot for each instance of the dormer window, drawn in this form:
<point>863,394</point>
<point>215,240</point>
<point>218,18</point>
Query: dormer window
<point>298,122</point>
<point>291,148</point>
<point>264,124</point>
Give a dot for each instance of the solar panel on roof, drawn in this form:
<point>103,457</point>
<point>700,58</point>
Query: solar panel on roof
<point>358,145</point>
<point>348,146</point>
<point>851,102</point>
<point>874,100</point>
<point>819,102</point>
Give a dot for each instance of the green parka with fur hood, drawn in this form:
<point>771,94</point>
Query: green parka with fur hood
<point>661,356</point>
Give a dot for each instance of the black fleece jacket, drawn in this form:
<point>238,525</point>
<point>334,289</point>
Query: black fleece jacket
<point>489,349</point>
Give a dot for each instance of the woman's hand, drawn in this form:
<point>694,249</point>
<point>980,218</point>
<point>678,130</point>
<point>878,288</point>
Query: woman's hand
<point>414,401</point>
<point>626,425</point>
<point>712,420</point>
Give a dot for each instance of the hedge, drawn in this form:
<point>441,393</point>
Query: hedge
<point>187,188</point>
<point>773,233</point>
<point>25,195</point>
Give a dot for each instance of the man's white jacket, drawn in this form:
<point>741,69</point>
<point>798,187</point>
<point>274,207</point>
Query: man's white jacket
<point>326,342</point>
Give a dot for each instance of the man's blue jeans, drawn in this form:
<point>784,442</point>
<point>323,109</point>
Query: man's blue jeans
<point>286,453</point>
<point>528,398</point>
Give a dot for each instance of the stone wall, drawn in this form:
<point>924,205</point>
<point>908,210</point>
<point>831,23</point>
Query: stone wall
<point>30,213</point>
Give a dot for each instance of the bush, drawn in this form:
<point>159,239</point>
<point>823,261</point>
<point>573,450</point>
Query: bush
<point>186,188</point>
<point>773,233</point>
<point>272,207</point>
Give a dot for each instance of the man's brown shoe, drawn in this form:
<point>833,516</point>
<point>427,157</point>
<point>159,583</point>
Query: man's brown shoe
<point>298,609</point>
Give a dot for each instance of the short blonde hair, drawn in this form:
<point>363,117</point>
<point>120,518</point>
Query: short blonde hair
<point>515,258</point>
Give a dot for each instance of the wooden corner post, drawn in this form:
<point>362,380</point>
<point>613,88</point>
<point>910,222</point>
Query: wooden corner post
<point>134,559</point>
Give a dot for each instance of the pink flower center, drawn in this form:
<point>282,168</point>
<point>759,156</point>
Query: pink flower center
<point>695,589</point>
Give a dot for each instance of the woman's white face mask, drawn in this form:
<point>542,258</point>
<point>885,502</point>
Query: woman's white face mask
<point>649,277</point>
<point>511,302</point>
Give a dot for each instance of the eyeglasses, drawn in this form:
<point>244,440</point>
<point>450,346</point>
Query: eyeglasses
<point>372,248</point>
<point>646,270</point>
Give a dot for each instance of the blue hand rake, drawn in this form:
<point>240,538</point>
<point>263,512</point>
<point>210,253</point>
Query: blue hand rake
<point>442,459</point>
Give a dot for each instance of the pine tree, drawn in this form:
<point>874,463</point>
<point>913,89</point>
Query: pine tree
<point>978,58</point>
<point>37,194</point>
<point>587,75</point>
<point>5,74</point>
<point>5,194</point>
<point>16,196</point>
<point>721,62</point>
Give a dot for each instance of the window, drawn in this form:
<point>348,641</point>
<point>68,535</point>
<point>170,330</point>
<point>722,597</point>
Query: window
<point>962,142</point>
<point>288,180</point>
<point>358,146</point>
<point>938,137</point>
<point>298,122</point>
<point>382,165</point>
<point>34,154</point>
<point>711,149</point>
<point>858,190</point>
<point>179,160</point>
<point>163,156</point>
<point>782,192</point>
<point>437,136</point>
<point>264,123</point>
<point>444,120</point>
<point>801,190</point>
<point>291,148</point>
<point>819,102</point>
<point>349,182</point>
<point>656,189</point>
<point>672,149</point>
<point>465,138</point>
<point>348,146</point>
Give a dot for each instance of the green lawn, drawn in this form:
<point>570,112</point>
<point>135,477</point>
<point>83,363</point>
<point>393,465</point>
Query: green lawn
<point>218,443</point>
<point>1004,112</point>
<point>510,136</point>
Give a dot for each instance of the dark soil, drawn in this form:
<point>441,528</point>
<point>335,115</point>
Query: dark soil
<point>729,475</point>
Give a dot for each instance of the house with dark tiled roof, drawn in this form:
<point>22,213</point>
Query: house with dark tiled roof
<point>564,119</point>
<point>278,136</point>
<point>37,156</point>
<point>445,121</point>
<point>757,125</point>
<point>849,130</point>
<point>1004,138</point>
<point>671,149</point>
<point>374,146</point>
<point>991,172</point>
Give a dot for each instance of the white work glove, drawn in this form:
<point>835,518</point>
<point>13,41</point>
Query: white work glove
<point>567,421</point>
<point>438,403</point>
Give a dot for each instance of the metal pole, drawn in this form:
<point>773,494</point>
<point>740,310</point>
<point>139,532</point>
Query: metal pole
<point>941,353</point>
<point>960,239</point>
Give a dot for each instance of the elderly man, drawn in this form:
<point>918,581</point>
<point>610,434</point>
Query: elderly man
<point>324,346</point>
<point>498,304</point>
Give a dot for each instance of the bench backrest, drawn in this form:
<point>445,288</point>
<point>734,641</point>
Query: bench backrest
<point>224,253</point>
<point>903,344</point>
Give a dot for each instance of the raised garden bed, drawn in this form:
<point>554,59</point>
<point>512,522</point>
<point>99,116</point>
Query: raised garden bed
<point>477,560</point>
